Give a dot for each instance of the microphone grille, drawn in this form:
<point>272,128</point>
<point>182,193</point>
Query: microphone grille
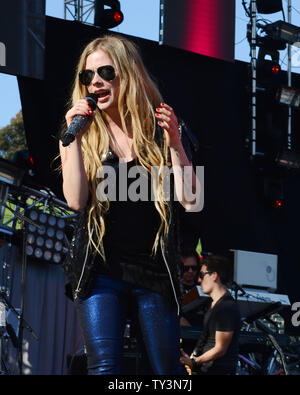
<point>92,99</point>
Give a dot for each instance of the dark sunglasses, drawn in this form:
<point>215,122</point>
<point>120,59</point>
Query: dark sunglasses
<point>202,274</point>
<point>107,73</point>
<point>187,268</point>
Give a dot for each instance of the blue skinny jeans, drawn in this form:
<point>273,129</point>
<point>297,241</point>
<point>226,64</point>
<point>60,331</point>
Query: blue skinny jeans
<point>103,314</point>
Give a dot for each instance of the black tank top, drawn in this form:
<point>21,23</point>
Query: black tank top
<point>132,221</point>
<point>131,228</point>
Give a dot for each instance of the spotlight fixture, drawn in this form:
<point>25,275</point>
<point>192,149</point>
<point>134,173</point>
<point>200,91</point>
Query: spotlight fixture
<point>283,31</point>
<point>268,71</point>
<point>108,18</point>
<point>273,191</point>
<point>47,242</point>
<point>269,65</point>
<point>289,159</point>
<point>288,96</point>
<point>10,173</point>
<point>278,203</point>
<point>268,6</point>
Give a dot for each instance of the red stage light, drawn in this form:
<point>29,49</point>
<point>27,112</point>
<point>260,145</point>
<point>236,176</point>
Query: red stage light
<point>278,203</point>
<point>118,17</point>
<point>276,68</point>
<point>107,18</point>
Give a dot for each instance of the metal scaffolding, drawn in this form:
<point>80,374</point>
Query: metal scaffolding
<point>16,204</point>
<point>79,10</point>
<point>253,45</point>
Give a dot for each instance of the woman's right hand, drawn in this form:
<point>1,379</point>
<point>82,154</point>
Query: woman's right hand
<point>83,108</point>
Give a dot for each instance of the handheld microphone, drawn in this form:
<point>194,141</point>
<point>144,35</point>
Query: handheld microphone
<point>79,121</point>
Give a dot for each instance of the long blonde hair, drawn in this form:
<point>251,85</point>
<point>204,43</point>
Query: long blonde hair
<point>138,96</point>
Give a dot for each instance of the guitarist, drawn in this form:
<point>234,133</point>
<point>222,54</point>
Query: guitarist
<point>216,351</point>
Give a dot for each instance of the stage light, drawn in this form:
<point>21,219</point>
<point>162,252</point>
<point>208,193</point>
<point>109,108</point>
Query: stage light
<point>269,67</point>
<point>283,31</point>
<point>288,96</point>
<point>108,18</point>
<point>289,159</point>
<point>268,70</point>
<point>274,55</point>
<point>273,189</point>
<point>46,242</point>
<point>278,203</point>
<point>118,17</point>
<point>276,68</point>
<point>268,6</point>
<point>10,173</point>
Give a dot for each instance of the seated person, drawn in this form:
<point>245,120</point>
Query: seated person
<point>190,269</point>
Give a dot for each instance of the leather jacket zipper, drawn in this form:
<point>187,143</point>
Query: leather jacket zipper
<point>78,289</point>
<point>168,269</point>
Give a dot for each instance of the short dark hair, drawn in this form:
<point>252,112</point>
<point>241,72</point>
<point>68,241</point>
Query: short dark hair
<point>190,252</point>
<point>219,264</point>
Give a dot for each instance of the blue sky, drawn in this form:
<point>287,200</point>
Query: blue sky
<point>141,19</point>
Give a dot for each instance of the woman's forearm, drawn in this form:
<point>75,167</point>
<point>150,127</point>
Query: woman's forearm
<point>187,184</point>
<point>75,183</point>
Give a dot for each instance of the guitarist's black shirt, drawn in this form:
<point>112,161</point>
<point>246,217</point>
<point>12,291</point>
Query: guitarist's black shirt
<point>224,317</point>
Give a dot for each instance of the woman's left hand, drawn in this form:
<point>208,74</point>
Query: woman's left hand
<point>168,121</point>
